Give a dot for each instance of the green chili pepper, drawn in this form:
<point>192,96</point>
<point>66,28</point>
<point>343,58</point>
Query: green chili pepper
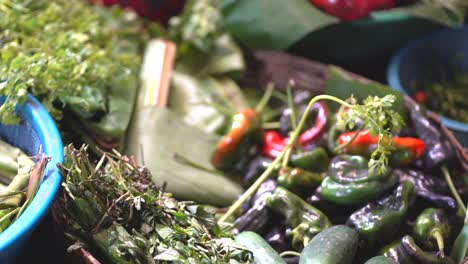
<point>298,180</point>
<point>391,250</point>
<point>304,220</point>
<point>350,182</point>
<point>410,253</point>
<point>380,260</point>
<point>378,221</point>
<point>315,160</point>
<point>460,247</point>
<point>432,228</point>
<point>246,131</point>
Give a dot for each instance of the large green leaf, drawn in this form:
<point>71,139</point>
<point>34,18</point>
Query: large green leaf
<point>343,85</point>
<point>275,24</point>
<point>121,98</point>
<point>157,135</point>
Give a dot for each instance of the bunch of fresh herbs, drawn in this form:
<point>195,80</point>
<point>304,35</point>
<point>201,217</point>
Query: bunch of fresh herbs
<point>66,53</point>
<point>114,209</point>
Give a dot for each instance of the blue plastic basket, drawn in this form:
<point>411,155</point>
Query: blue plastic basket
<point>37,129</point>
<point>408,69</point>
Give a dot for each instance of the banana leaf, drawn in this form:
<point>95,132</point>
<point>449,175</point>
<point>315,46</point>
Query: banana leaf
<point>225,58</point>
<point>195,100</point>
<point>272,24</point>
<point>111,126</point>
<point>280,24</point>
<point>342,85</point>
<point>156,136</point>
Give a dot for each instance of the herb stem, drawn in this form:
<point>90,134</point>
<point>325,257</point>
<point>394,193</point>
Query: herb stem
<point>271,125</point>
<point>253,188</point>
<point>453,190</point>
<point>266,97</point>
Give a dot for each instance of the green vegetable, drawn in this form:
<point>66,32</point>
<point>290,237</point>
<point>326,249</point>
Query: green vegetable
<point>263,253</point>
<point>378,221</point>
<point>349,181</point>
<point>371,108</point>
<point>315,160</point>
<point>157,137</point>
<point>298,180</point>
<point>380,260</point>
<point>432,228</point>
<point>114,208</point>
<point>410,253</point>
<point>194,98</point>
<point>334,245</point>
<point>460,246</point>
<point>85,61</point>
<point>304,220</point>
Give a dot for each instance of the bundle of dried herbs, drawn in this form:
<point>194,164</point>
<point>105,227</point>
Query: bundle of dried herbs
<point>113,209</point>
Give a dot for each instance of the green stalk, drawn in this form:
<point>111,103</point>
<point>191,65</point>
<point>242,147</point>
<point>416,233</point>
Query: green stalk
<point>437,234</point>
<point>253,188</point>
<point>453,190</point>
<point>266,97</point>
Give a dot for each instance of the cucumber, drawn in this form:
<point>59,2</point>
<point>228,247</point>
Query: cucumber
<point>380,260</point>
<point>263,253</point>
<point>334,245</point>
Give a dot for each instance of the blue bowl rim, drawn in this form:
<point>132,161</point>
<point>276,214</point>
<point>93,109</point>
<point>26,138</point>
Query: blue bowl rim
<point>52,146</point>
<point>393,70</point>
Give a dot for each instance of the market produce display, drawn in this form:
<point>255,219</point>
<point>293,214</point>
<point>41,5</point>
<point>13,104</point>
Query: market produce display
<point>20,177</point>
<point>379,183</point>
<point>349,172</point>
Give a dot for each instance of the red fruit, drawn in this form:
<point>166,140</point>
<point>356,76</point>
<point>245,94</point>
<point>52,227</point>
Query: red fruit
<point>352,9</point>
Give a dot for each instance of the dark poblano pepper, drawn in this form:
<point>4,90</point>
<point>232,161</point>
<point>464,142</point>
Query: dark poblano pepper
<point>303,220</point>
<point>315,160</point>
<point>244,134</point>
<point>257,214</point>
<point>349,181</point>
<point>298,180</point>
<point>432,229</point>
<point>426,185</point>
<point>410,253</point>
<point>438,148</point>
<point>378,221</point>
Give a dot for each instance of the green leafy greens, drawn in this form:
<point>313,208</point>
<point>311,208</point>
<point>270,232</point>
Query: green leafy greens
<point>114,206</point>
<point>66,53</point>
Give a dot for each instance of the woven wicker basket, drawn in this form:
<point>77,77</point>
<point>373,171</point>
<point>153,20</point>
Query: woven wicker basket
<point>280,68</point>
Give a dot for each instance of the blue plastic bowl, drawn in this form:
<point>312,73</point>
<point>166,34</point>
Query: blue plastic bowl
<point>417,64</point>
<point>37,128</point>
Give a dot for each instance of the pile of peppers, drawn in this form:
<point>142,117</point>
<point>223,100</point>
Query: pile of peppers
<point>405,215</point>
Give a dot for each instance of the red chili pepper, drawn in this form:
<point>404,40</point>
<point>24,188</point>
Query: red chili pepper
<point>420,97</point>
<point>246,129</point>
<point>274,143</point>
<point>352,9</point>
<point>364,142</point>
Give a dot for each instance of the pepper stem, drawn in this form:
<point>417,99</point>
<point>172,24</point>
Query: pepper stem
<point>294,115</point>
<point>253,188</point>
<point>266,97</point>
<point>289,253</point>
<point>437,234</point>
<point>453,190</point>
